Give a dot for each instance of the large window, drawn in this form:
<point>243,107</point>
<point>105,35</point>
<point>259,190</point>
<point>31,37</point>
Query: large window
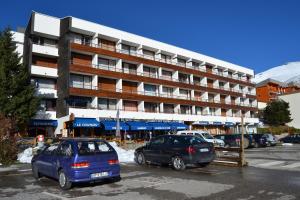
<point>168,108</point>
<point>185,109</point>
<point>128,49</point>
<point>79,102</point>
<point>183,78</point>
<point>181,62</point>
<point>150,89</point>
<point>107,104</point>
<point>47,105</point>
<point>44,41</point>
<point>151,107</point>
<point>129,68</point>
<point>167,75</point>
<point>106,63</point>
<point>165,58</point>
<point>167,91</point>
<point>150,72</point>
<point>80,81</point>
<point>148,54</point>
<point>44,83</point>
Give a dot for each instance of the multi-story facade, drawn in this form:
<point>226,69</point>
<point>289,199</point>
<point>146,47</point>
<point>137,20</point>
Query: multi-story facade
<point>95,72</point>
<point>269,90</point>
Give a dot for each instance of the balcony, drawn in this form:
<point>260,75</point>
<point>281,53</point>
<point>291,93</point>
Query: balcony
<point>134,53</point>
<point>45,49</point>
<point>146,74</point>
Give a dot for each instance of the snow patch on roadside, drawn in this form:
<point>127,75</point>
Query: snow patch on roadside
<point>125,156</point>
<point>287,144</point>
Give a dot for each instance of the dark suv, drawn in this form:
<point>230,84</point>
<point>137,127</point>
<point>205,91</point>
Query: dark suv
<point>177,150</point>
<point>234,140</point>
<point>260,140</point>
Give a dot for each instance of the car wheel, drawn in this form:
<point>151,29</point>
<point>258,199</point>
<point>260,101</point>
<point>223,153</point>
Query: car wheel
<point>140,159</point>
<point>35,171</point>
<point>178,163</point>
<point>63,180</point>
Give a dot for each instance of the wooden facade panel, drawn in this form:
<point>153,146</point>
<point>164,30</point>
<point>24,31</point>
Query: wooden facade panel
<point>155,63</point>
<point>125,76</point>
<point>129,87</point>
<point>130,105</point>
<point>44,61</point>
<point>81,59</point>
<point>107,84</point>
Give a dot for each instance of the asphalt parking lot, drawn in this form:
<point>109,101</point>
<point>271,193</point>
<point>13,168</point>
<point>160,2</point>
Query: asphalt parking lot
<point>155,182</point>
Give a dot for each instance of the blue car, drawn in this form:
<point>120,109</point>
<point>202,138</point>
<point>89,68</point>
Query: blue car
<point>77,160</point>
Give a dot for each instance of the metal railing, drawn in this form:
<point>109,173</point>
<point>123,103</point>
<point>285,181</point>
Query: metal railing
<point>134,53</point>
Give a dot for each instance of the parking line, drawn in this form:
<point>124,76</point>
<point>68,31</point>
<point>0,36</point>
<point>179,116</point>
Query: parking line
<point>268,164</point>
<point>293,165</point>
<point>55,195</point>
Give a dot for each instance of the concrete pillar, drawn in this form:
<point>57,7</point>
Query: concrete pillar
<point>175,75</point>
<point>141,106</point>
<point>95,61</point>
<point>140,69</point>
<point>119,85</point>
<point>140,88</point>
<point>161,107</point>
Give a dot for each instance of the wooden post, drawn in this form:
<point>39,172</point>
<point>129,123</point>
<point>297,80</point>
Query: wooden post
<point>242,154</point>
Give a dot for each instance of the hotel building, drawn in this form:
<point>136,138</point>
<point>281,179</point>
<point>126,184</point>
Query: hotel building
<point>87,74</point>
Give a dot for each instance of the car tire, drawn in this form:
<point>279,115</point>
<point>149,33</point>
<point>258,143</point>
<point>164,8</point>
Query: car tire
<point>140,159</point>
<point>178,164</point>
<point>63,181</point>
<point>35,172</point>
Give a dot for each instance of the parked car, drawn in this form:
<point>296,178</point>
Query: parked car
<point>177,150</point>
<point>271,139</point>
<point>77,160</point>
<point>295,138</point>
<point>204,135</point>
<point>260,140</point>
<point>234,140</point>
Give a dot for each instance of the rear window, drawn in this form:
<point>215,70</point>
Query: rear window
<point>186,140</point>
<point>93,147</point>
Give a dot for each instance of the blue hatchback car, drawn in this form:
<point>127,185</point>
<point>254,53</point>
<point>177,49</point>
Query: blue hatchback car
<point>77,160</point>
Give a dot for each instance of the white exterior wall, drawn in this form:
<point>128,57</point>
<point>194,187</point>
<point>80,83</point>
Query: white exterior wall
<point>293,100</point>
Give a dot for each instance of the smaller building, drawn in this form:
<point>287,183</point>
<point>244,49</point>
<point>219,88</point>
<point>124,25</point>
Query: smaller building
<point>269,89</point>
<point>293,98</point>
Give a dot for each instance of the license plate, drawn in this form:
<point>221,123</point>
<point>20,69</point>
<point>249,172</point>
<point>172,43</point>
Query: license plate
<point>204,150</point>
<point>98,175</point>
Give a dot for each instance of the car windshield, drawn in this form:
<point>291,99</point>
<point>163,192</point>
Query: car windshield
<point>207,136</point>
<point>93,147</point>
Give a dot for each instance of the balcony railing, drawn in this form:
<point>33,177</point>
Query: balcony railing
<point>164,95</point>
<point>121,70</point>
<point>134,53</point>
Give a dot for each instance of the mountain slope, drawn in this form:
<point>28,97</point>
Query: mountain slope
<point>287,73</point>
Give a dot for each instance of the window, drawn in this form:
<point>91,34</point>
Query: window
<point>167,91</point>
<point>128,49</point>
<point>107,104</point>
<point>168,108</point>
<point>195,64</point>
<point>79,102</point>
<point>93,147</point>
<point>129,68</point>
<point>50,150</point>
<point>44,41</point>
<point>181,62</point>
<point>65,149</point>
<point>151,107</point>
<point>183,78</point>
<point>47,105</point>
<point>81,81</point>
<point>185,109</point>
<point>167,75</point>
<point>150,89</point>
<point>148,54</point>
<point>106,63</point>
<point>150,71</point>
<point>165,58</point>
<point>44,83</point>
<point>158,141</point>
<point>184,93</point>
<point>198,110</point>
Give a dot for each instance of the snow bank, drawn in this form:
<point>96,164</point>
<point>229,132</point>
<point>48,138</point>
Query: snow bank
<point>125,156</point>
<point>287,144</point>
<point>25,156</point>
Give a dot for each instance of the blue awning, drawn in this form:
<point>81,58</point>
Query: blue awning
<point>43,122</point>
<point>160,125</point>
<point>86,122</point>
<point>178,126</point>
<point>203,123</point>
<point>229,124</point>
<point>112,125</point>
<point>217,123</point>
<point>138,126</point>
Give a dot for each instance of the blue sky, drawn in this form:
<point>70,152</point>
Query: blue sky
<point>254,33</point>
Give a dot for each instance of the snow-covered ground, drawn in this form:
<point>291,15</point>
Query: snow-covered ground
<point>125,156</point>
<point>287,73</point>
